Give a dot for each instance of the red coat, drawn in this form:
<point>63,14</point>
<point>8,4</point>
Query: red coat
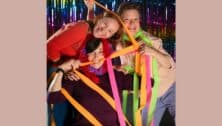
<point>67,41</point>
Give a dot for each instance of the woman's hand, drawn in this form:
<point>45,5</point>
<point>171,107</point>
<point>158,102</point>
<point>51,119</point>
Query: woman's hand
<point>72,76</point>
<point>70,65</point>
<point>89,4</point>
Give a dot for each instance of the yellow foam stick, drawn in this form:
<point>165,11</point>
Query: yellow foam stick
<point>142,94</point>
<point>123,51</point>
<point>137,63</point>
<point>81,109</point>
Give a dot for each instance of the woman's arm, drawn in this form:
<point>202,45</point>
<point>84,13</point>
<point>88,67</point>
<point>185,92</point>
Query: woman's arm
<point>55,95</point>
<point>67,40</point>
<point>62,69</point>
<point>90,6</point>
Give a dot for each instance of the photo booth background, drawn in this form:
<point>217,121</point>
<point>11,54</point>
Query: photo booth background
<point>158,16</point>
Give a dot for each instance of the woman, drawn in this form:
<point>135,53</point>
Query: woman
<point>70,38</point>
<point>94,51</point>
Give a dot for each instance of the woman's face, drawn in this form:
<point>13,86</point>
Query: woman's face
<point>105,28</point>
<point>131,18</point>
<point>96,57</point>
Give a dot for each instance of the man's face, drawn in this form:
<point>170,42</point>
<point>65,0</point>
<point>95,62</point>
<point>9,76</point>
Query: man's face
<point>131,18</point>
<point>105,28</point>
<point>96,57</point>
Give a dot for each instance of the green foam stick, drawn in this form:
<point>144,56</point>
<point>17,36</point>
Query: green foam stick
<point>154,92</point>
<point>135,96</point>
<point>125,97</point>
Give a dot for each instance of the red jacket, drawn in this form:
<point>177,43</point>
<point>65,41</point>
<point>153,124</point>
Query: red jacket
<point>67,41</point>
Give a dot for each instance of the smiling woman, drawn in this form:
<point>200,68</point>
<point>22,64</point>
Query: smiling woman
<point>105,28</point>
<point>109,25</point>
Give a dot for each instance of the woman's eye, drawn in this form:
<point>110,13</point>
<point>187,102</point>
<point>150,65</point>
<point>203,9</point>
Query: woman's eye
<point>105,24</point>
